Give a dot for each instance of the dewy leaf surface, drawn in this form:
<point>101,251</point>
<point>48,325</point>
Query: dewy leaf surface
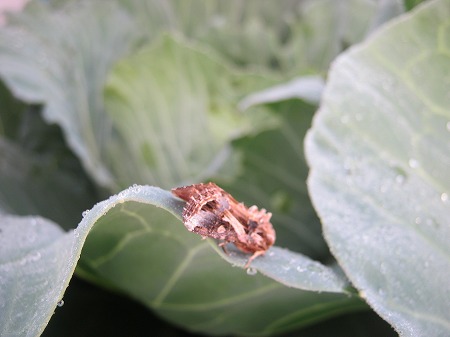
<point>379,152</point>
<point>292,269</point>
<point>36,264</point>
<point>130,245</point>
<point>152,257</point>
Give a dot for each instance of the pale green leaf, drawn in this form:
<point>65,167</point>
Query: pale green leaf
<point>307,88</point>
<point>60,57</point>
<point>386,10</point>
<point>36,264</point>
<point>292,37</point>
<point>175,108</point>
<point>379,152</point>
<point>327,27</point>
<point>152,257</point>
<point>132,247</point>
<point>292,269</point>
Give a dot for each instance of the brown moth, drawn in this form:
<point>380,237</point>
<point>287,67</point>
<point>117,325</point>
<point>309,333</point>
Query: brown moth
<point>212,212</point>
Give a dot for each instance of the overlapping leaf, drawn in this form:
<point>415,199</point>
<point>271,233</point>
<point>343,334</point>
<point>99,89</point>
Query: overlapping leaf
<point>380,155</point>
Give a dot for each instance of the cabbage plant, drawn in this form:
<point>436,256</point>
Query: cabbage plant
<point>332,115</point>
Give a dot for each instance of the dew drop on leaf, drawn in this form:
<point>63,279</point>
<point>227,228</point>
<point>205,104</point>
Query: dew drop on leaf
<point>60,303</point>
<point>362,294</point>
<point>286,267</point>
<point>400,179</point>
<point>35,256</point>
<point>251,271</point>
<point>314,268</point>
<point>413,163</point>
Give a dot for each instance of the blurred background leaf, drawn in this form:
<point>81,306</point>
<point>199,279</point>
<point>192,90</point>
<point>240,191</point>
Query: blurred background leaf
<point>38,174</point>
<point>175,111</point>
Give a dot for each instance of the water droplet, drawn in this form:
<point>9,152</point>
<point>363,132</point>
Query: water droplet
<point>315,268</point>
<point>35,256</point>
<point>60,303</point>
<point>384,188</point>
<point>413,163</point>
<point>400,179</point>
<point>251,271</point>
<point>418,220</point>
<point>76,233</point>
<point>285,267</point>
<point>85,213</point>
<point>448,126</point>
<point>444,197</point>
<point>301,269</point>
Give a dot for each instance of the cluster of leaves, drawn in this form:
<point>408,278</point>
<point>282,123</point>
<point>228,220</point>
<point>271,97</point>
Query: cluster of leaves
<point>107,98</point>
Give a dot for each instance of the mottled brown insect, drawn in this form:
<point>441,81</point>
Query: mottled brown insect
<point>212,212</point>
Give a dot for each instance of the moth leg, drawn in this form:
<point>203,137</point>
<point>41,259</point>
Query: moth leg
<point>223,244</point>
<point>254,256</point>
